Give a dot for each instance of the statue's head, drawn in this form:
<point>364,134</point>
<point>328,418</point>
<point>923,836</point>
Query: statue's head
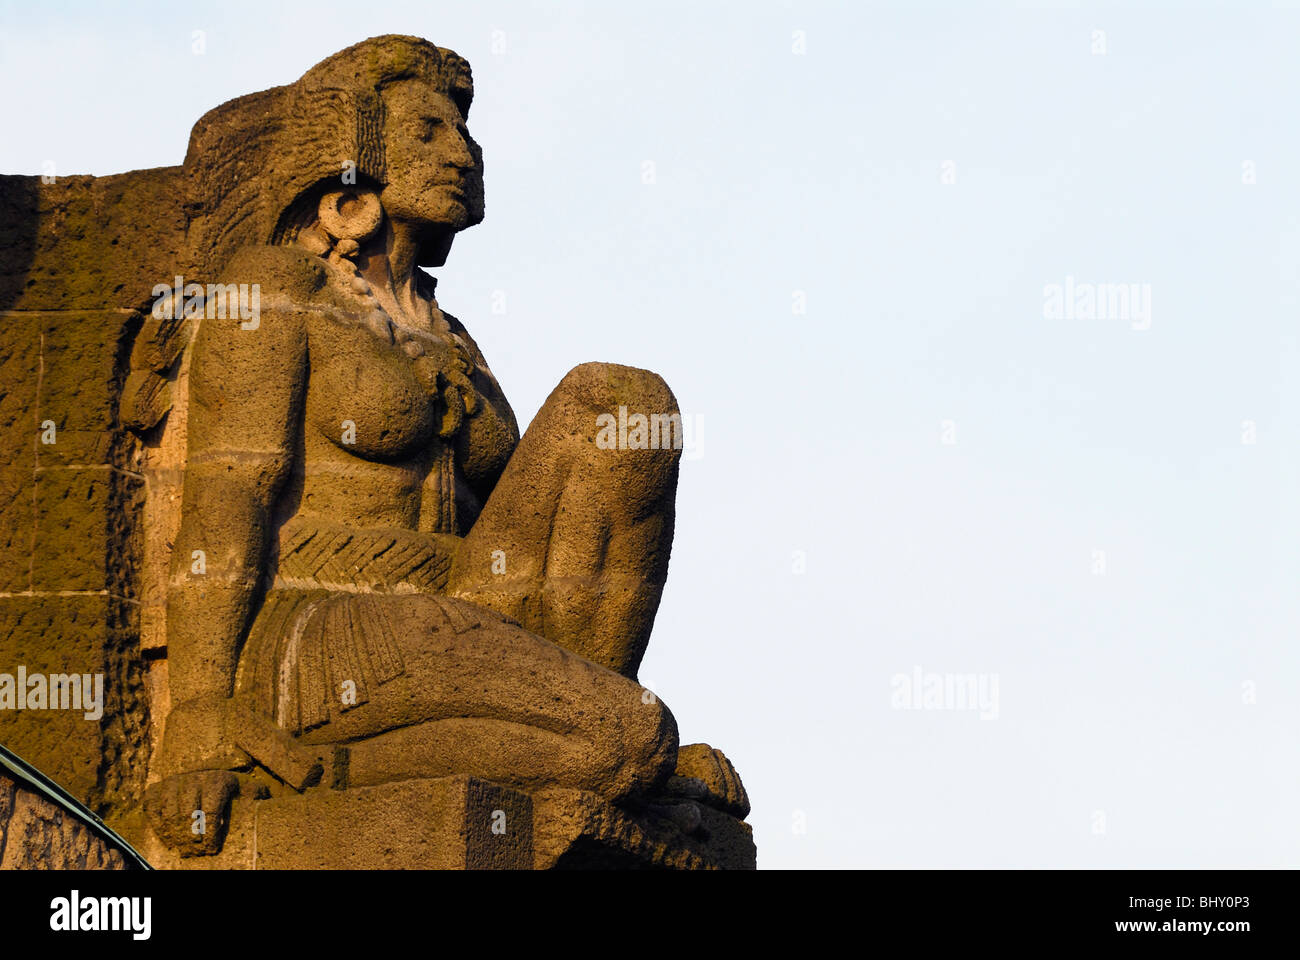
<point>384,118</point>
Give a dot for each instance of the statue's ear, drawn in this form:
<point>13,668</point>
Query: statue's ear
<point>353,213</point>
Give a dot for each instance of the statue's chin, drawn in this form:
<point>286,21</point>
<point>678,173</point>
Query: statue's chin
<point>435,243</point>
<point>430,230</point>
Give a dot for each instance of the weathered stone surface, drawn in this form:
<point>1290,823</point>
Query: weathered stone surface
<point>85,243</point>
<point>286,511</point>
<point>63,744</point>
<point>37,835</point>
<point>70,549</point>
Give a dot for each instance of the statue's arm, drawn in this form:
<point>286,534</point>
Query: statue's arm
<point>245,395</point>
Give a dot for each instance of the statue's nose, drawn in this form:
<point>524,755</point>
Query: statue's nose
<point>462,161</point>
<point>460,155</point>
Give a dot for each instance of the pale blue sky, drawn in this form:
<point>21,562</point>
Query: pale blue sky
<point>823,172</point>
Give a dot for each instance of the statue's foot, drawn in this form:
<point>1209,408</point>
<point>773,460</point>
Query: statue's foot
<point>707,776</point>
<point>190,812</point>
<point>682,813</point>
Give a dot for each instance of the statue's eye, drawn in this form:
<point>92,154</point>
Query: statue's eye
<point>427,125</point>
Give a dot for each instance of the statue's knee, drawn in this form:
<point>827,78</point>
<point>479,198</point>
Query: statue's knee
<point>621,432</point>
<point>604,387</point>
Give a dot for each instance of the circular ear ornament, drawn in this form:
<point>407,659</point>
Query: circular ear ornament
<point>350,214</point>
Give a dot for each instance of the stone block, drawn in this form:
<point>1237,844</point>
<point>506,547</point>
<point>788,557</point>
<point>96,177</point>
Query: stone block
<point>54,636</point>
<point>450,823</point>
<point>17,527</point>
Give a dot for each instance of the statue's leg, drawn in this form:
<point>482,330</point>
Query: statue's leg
<point>476,694</point>
<point>574,541</point>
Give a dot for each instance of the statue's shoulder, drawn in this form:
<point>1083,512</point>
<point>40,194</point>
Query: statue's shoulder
<point>289,278</point>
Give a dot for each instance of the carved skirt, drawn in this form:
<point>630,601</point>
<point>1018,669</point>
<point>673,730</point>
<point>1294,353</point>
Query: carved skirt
<point>325,637</point>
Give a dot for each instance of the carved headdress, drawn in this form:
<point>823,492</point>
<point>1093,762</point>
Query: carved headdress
<point>252,160</point>
<point>256,164</point>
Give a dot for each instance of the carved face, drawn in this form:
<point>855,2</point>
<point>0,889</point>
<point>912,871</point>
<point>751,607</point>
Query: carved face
<point>435,169</point>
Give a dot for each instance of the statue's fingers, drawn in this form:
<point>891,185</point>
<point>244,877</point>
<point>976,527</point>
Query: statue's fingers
<point>470,398</point>
<point>454,411</point>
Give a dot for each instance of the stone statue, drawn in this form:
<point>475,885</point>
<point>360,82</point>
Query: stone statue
<point>369,556</point>
<point>345,614</point>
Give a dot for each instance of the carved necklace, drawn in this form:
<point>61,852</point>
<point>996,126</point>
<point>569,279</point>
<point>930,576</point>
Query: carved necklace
<point>348,218</point>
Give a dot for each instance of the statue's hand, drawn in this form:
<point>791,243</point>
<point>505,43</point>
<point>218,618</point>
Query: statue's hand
<point>190,812</point>
<point>449,365</point>
<point>224,733</point>
<point>204,741</point>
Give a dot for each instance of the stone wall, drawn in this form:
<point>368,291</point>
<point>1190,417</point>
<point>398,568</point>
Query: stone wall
<point>74,278</point>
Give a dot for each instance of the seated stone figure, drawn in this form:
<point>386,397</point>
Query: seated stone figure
<point>370,557</point>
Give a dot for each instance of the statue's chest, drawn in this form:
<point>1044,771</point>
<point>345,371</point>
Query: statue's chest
<point>365,394</point>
